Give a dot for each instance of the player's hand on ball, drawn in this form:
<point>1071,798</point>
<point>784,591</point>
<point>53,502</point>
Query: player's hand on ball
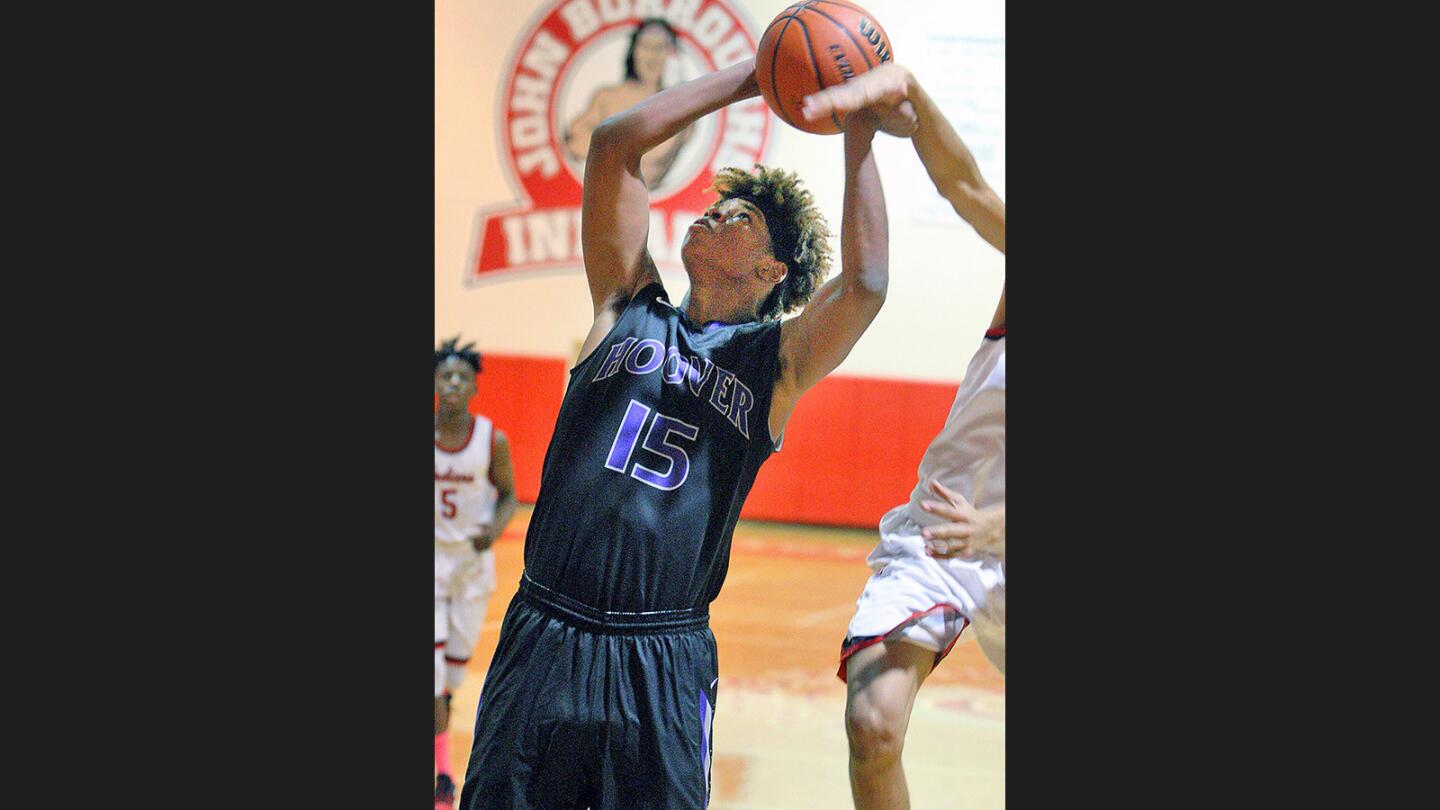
<point>888,84</point>
<point>969,531</point>
<point>884,90</point>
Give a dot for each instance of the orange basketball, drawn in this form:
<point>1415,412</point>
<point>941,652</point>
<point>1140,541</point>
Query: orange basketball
<point>813,45</point>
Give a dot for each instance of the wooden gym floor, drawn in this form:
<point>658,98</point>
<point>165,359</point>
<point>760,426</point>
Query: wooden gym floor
<point>779,720</point>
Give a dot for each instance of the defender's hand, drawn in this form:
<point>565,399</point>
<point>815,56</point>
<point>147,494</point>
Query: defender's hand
<point>969,530</point>
<point>883,90</point>
<point>484,539</point>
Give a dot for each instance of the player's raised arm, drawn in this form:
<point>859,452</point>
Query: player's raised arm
<point>615,218</point>
<point>947,160</point>
<point>815,342</point>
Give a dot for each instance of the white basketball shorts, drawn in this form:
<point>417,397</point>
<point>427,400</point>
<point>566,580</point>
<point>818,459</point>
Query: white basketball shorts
<point>917,598</point>
<point>464,581</point>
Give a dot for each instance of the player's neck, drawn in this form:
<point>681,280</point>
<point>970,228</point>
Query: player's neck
<point>703,305</point>
<point>452,422</point>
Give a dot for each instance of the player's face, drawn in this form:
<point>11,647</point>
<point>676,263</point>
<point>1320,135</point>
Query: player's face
<point>731,235</point>
<point>454,383</point>
<point>652,47</point>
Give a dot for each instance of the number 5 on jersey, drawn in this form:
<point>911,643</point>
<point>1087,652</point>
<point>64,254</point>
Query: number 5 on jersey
<point>657,441</point>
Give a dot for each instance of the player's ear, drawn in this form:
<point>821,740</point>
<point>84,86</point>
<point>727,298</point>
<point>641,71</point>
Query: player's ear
<point>772,270</point>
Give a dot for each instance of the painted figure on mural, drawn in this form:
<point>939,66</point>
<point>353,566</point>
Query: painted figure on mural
<point>653,43</point>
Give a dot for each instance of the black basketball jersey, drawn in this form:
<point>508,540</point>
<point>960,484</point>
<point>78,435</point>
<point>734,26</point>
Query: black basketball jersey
<point>660,435</point>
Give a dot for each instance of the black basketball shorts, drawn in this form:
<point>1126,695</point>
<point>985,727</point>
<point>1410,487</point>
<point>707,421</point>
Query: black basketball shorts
<point>584,709</point>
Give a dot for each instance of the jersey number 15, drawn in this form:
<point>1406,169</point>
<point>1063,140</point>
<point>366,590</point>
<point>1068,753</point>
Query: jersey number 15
<point>657,441</point>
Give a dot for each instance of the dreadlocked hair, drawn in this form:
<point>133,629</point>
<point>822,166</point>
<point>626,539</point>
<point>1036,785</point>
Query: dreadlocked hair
<point>467,353</point>
<point>799,236</point>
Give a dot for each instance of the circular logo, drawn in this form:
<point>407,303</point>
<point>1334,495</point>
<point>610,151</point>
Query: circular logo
<point>580,61</point>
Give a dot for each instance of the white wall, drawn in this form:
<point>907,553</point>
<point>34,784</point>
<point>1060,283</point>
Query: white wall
<point>944,281</point>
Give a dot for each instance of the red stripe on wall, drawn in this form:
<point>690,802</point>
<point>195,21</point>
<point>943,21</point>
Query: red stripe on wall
<point>851,450</point>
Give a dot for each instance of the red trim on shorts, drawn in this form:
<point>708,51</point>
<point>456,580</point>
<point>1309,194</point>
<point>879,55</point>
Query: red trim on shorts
<point>439,645</point>
<point>997,332</point>
<point>463,445</point>
<point>450,660</point>
<point>846,652</point>
<point>946,651</point>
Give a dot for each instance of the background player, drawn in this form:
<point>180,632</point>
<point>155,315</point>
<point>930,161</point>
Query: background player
<point>940,560</point>
<point>474,501</point>
<point>603,683</point>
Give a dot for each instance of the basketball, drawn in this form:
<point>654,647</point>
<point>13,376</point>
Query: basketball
<point>813,45</point>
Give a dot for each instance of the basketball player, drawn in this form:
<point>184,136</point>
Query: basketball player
<point>652,44</point>
<point>603,685</point>
<point>474,501</point>
<point>941,557</point>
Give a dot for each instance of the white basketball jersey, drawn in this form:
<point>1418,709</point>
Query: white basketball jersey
<point>968,455</point>
<point>464,495</point>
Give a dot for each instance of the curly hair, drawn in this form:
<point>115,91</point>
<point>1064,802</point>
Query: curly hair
<point>467,353</point>
<point>799,236</point>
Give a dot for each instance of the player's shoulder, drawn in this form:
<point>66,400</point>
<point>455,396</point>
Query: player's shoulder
<point>483,424</point>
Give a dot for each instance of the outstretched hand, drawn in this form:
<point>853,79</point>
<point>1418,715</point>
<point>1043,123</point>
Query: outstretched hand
<point>969,531</point>
<point>883,90</point>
